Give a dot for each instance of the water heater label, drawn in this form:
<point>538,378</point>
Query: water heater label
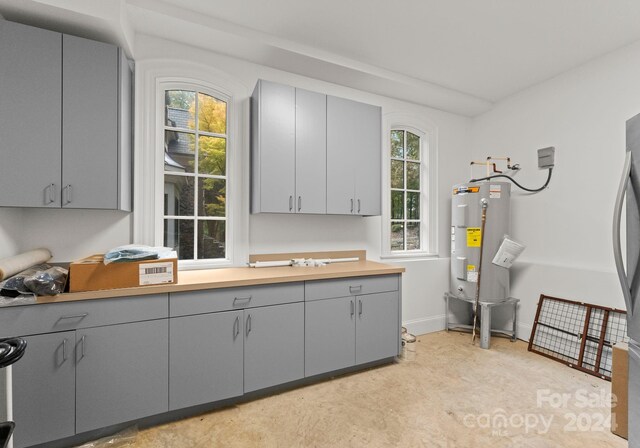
<point>472,277</point>
<point>474,235</point>
<point>495,191</point>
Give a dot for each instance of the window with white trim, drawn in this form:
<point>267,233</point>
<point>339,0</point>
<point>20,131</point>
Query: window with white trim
<point>408,232</point>
<point>195,217</point>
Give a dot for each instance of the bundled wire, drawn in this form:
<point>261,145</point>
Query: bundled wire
<point>530,190</point>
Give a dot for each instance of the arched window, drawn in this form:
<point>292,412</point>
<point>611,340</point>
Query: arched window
<point>409,215</point>
<point>195,171</point>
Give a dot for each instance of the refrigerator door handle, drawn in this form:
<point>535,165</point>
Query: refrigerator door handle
<point>617,219</point>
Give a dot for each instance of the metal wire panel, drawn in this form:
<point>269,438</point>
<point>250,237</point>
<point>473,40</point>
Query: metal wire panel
<point>578,334</point>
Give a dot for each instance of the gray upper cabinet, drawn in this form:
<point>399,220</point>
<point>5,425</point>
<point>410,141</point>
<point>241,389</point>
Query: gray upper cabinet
<point>122,373</point>
<point>44,390</point>
<point>66,139</point>
<point>273,147</point>
<point>206,358</point>
<point>368,178</point>
<point>89,124</point>
<point>288,150</point>
<point>311,152</point>
<point>353,158</point>
<point>30,116</point>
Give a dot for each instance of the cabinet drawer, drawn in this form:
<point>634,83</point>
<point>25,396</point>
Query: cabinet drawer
<point>49,318</point>
<point>214,300</point>
<point>353,286</point>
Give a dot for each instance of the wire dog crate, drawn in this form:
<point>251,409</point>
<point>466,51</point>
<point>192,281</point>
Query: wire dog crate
<point>578,334</point>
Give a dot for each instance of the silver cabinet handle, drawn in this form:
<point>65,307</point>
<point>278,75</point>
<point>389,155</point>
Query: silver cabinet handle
<point>359,307</point>
<point>351,205</point>
<point>290,203</point>
<point>68,194</point>
<point>248,330</point>
<point>51,193</point>
<point>74,316</point>
<point>236,300</point>
<point>356,288</point>
<point>358,205</point>
<point>64,350</point>
<point>353,308</point>
<point>299,203</point>
<point>82,341</point>
<point>236,327</point>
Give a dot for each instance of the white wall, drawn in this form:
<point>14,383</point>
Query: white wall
<point>9,231</point>
<point>567,228</point>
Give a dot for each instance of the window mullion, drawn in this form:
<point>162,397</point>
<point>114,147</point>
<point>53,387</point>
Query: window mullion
<point>404,196</point>
<point>196,183</point>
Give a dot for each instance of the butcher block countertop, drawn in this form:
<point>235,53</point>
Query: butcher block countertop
<point>244,276</point>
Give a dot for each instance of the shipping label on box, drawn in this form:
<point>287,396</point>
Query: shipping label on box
<point>156,273</point>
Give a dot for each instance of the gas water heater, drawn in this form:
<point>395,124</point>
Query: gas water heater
<point>467,240</point>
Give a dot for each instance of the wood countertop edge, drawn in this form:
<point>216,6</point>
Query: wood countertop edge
<point>256,277</point>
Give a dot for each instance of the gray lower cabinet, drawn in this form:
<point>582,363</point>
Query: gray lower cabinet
<point>342,332</point>
<point>273,345</point>
<point>121,373</point>
<point>205,358</point>
<point>377,326</point>
<point>330,335</point>
<point>44,390</point>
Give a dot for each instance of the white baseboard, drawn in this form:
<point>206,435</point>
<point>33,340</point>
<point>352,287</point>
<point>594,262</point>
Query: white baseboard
<point>524,331</point>
<point>425,325</point>
<point>436,323</point>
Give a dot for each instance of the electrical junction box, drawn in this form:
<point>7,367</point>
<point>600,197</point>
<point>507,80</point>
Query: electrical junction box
<point>546,157</point>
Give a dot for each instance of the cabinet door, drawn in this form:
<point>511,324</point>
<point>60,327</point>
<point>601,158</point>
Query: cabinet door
<point>121,373</point>
<point>311,152</point>
<point>44,390</point>
<point>206,358</point>
<point>273,345</point>
<point>368,160</point>
<point>274,149</point>
<point>30,92</point>
<point>341,156</point>
<point>89,124</point>
<point>330,335</point>
<point>377,330</point>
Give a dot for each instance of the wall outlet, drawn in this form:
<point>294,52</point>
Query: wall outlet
<point>546,157</point>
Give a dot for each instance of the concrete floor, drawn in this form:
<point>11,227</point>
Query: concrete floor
<point>444,392</point>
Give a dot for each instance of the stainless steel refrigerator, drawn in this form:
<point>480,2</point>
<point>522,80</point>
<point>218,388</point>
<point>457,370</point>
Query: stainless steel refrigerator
<point>630,276</point>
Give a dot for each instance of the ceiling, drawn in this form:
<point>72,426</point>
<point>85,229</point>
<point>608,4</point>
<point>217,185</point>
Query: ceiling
<point>457,55</point>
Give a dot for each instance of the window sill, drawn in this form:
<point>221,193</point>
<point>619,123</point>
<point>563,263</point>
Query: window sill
<point>410,256</point>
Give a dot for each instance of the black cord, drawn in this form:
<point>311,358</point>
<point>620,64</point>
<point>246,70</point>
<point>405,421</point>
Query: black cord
<point>515,182</point>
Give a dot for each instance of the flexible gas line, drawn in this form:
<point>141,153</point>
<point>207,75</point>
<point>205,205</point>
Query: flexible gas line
<point>485,205</point>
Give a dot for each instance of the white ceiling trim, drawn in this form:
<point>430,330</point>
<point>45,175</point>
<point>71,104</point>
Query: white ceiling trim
<point>375,79</point>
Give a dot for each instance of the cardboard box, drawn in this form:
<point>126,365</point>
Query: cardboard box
<point>91,274</point>
<point>620,390</point>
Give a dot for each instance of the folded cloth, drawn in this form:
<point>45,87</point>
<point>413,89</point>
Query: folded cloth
<point>136,252</point>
